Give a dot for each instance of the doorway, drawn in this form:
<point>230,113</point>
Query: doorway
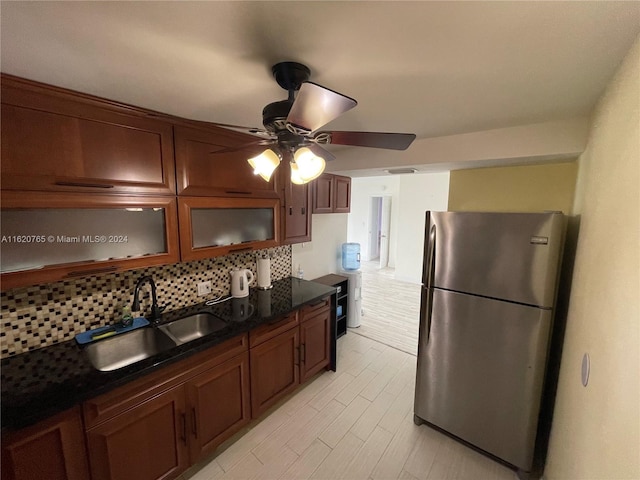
<point>379,229</point>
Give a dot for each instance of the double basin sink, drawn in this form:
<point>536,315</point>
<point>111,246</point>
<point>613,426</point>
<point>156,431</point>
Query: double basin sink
<point>131,347</point>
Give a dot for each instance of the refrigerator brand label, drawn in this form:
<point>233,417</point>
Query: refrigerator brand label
<point>539,240</point>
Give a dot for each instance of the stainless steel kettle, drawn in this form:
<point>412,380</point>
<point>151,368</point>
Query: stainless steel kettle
<point>240,280</point>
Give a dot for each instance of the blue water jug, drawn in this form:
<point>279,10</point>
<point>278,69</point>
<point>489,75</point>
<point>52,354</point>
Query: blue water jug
<point>350,256</point>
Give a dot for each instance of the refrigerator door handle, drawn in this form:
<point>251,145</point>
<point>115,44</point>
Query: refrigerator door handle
<point>426,305</point>
<point>429,263</point>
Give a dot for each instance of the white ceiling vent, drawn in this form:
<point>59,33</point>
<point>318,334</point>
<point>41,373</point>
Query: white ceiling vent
<point>398,171</point>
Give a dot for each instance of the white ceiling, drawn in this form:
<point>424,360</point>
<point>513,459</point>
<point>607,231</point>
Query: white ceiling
<point>431,68</point>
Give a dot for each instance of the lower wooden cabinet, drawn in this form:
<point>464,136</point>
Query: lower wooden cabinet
<point>315,352</point>
<point>53,449</point>
<point>288,353</point>
<point>147,442</point>
<point>219,405</point>
<point>165,434</point>
<point>274,370</point>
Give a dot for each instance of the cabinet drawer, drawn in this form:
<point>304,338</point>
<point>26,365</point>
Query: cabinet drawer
<point>99,409</point>
<point>270,330</point>
<point>314,308</point>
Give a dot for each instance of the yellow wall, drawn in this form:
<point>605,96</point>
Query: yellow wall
<point>531,188</point>
<point>596,429</point>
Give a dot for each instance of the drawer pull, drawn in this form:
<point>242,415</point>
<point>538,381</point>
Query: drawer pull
<point>239,192</point>
<point>80,273</point>
<point>241,249</point>
<point>85,185</point>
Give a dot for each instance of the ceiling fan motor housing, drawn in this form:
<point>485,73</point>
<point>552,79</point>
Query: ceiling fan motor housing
<point>274,115</point>
<point>290,75</point>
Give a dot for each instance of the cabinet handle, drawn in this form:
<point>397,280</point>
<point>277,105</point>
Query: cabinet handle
<point>240,192</point>
<point>241,249</point>
<point>184,428</point>
<point>297,359</point>
<point>302,210</point>
<point>86,185</point>
<point>303,348</point>
<point>290,210</point>
<point>79,273</point>
<point>194,425</point>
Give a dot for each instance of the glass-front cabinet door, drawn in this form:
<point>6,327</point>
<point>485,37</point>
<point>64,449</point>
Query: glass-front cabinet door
<point>211,227</point>
<point>50,236</point>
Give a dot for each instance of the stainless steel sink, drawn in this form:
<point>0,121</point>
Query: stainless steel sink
<point>127,348</point>
<point>192,327</point>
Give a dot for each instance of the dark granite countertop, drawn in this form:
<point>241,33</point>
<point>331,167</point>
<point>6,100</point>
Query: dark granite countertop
<point>41,383</point>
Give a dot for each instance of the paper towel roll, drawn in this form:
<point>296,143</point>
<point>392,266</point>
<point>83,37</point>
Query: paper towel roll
<point>264,273</point>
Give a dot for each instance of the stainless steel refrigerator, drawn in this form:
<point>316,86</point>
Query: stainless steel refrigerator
<point>487,308</point>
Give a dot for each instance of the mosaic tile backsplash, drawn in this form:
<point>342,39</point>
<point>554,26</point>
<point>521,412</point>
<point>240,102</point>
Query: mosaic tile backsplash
<point>41,315</point>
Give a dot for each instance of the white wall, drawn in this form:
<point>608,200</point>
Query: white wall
<point>362,190</point>
<point>596,430</point>
<point>323,254</point>
<point>418,193</point>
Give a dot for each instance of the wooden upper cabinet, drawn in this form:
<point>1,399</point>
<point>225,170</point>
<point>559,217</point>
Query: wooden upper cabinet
<point>323,187</point>
<point>342,194</point>
<point>296,208</point>
<point>202,172</point>
<point>331,194</point>
<point>56,139</point>
<point>48,237</point>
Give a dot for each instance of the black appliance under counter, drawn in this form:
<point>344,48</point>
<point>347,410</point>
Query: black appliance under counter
<point>43,382</point>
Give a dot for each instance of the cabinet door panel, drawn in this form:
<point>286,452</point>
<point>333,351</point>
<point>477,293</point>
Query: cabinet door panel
<point>314,344</point>
<point>53,449</point>
<point>55,139</point>
<point>274,370</point>
<point>200,171</point>
<point>296,213</point>
<point>323,194</point>
<point>342,192</point>
<point>219,405</point>
<point>75,235</point>
<point>147,442</point>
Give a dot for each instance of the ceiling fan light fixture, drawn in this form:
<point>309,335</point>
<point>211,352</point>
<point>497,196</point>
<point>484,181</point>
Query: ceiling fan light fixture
<point>265,164</point>
<point>306,165</point>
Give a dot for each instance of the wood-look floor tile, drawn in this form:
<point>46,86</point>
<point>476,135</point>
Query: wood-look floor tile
<point>271,446</point>
<point>362,464</point>
<point>315,426</point>
<point>307,462</point>
<point>336,462</point>
<point>343,422</point>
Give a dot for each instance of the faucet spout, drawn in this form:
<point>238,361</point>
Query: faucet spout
<point>156,311</point>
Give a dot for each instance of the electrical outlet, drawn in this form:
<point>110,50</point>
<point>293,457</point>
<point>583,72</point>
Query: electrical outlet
<point>204,288</point>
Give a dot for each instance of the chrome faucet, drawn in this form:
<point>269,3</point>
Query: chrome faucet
<point>156,311</point>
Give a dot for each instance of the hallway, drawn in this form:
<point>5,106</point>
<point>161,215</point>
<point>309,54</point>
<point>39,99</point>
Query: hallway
<point>391,309</point>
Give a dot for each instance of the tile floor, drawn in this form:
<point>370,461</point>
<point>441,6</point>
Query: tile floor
<point>356,423</point>
<point>391,308</point>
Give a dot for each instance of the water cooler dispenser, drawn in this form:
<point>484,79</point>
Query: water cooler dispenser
<point>351,270</point>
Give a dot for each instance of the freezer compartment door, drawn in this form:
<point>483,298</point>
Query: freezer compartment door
<point>510,256</point>
<point>480,374</point>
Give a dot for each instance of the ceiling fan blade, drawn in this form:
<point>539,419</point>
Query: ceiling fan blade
<point>321,152</point>
<point>245,146</point>
<point>261,132</point>
<point>391,141</point>
<point>316,106</point>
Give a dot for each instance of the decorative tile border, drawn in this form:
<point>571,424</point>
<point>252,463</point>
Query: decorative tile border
<point>41,315</point>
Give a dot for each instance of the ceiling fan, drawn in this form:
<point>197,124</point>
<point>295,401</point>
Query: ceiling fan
<point>291,127</point>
